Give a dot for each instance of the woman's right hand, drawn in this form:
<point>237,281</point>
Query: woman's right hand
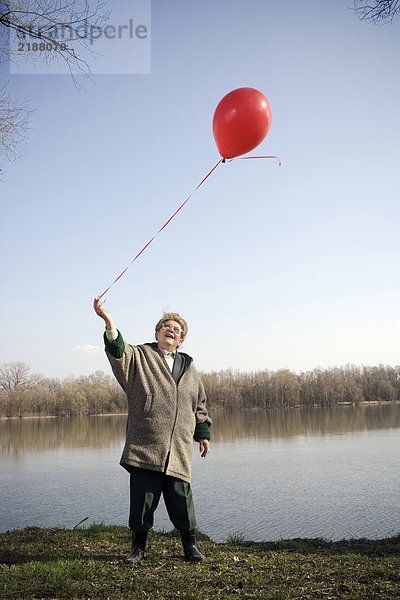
<point>99,309</point>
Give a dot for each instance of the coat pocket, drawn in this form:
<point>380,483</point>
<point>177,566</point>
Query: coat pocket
<point>148,405</point>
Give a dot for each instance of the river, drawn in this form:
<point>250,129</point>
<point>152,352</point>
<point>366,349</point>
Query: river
<point>331,473</point>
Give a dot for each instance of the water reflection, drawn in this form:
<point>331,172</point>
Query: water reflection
<point>17,436</point>
<point>272,424</point>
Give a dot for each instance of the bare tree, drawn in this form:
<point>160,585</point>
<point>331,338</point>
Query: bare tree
<point>17,375</point>
<point>377,11</point>
<point>14,122</point>
<point>58,26</point>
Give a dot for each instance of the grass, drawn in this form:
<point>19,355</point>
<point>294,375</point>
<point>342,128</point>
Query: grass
<point>86,564</point>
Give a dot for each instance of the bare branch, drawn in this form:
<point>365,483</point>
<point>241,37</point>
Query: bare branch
<point>377,11</point>
<point>14,122</point>
<point>55,24</point>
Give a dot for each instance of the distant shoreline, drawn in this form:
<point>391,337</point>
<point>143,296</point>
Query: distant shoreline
<point>214,409</point>
<point>62,416</point>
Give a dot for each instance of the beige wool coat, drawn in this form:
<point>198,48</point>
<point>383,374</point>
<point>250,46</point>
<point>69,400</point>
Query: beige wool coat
<point>162,415</point>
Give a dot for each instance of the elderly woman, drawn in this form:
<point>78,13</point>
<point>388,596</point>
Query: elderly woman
<point>166,411</point>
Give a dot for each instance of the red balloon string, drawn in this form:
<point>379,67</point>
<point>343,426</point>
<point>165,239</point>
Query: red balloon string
<point>175,213</point>
<point>160,230</point>
<point>248,157</point>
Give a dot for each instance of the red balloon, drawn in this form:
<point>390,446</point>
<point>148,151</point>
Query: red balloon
<point>241,121</point>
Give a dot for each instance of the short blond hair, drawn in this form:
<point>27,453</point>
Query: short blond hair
<point>173,317</point>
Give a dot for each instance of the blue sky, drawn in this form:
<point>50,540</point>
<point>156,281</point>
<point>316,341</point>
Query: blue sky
<point>292,267</point>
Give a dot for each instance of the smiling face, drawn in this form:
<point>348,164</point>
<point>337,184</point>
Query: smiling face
<point>169,335</point>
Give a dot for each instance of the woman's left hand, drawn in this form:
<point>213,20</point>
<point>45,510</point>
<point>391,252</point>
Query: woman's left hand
<point>204,447</point>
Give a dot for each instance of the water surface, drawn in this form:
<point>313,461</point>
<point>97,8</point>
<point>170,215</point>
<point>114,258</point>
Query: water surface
<point>330,473</point>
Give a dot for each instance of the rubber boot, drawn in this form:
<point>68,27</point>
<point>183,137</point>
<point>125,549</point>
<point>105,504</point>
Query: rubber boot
<point>136,555</point>
<point>192,553</point>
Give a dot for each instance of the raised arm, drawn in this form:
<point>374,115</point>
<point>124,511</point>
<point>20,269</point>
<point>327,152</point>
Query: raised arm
<point>118,352</point>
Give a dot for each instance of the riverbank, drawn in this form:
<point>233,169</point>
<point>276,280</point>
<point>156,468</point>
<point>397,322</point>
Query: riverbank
<point>86,563</point>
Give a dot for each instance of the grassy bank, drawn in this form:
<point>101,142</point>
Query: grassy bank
<point>86,563</point>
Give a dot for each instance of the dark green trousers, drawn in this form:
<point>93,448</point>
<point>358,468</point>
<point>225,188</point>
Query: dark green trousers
<point>146,489</point>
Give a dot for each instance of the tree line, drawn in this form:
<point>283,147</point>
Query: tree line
<point>23,393</point>
<point>319,387</point>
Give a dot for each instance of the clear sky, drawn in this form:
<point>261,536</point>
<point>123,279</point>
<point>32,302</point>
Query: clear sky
<point>292,267</point>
